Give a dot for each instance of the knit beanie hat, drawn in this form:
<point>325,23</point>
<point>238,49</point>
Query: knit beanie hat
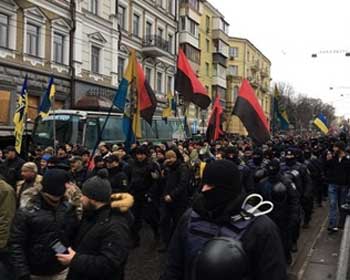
<point>223,174</point>
<point>98,187</point>
<point>54,182</point>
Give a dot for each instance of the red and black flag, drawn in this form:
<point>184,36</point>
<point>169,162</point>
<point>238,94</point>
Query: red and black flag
<point>248,109</point>
<point>215,121</point>
<point>146,97</point>
<point>188,85</point>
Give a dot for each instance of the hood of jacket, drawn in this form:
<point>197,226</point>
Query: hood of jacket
<point>122,202</point>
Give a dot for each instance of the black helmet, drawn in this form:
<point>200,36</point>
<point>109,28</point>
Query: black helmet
<point>273,167</point>
<point>221,258</point>
<point>279,193</point>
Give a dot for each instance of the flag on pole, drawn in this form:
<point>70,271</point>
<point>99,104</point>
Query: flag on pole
<point>248,109</point>
<point>168,111</point>
<point>20,115</point>
<point>214,129</point>
<point>280,114</point>
<point>48,99</point>
<point>188,85</point>
<point>321,123</point>
<point>136,99</point>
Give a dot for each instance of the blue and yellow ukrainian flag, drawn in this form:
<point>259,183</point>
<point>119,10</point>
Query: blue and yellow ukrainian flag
<point>322,123</point>
<point>280,113</point>
<point>48,99</point>
<point>20,115</point>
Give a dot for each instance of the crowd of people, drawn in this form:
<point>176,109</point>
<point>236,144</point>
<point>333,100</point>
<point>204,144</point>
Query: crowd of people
<point>217,209</point>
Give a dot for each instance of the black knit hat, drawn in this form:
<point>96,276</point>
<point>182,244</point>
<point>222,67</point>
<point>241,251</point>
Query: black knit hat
<point>98,187</point>
<point>54,182</point>
<point>222,174</point>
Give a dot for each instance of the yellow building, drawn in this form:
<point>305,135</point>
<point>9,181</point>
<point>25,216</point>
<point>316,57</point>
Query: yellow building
<point>246,62</point>
<point>214,48</point>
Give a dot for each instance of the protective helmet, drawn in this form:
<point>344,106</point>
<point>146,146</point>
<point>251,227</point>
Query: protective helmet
<point>221,259</point>
<point>279,193</point>
<point>273,167</point>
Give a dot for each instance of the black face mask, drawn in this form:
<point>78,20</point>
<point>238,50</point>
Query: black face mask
<point>217,197</point>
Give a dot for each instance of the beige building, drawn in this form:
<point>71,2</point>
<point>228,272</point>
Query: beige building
<point>247,62</point>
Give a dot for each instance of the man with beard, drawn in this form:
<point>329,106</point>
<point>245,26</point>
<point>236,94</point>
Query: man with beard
<point>144,176</point>
<point>337,169</point>
<point>283,194</point>
<point>216,213</point>
<point>101,246</point>
<point>31,179</point>
<point>47,220</point>
<point>174,196</point>
<point>116,175</point>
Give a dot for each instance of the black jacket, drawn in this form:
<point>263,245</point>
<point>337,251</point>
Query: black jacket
<point>11,170</point>
<point>118,179</point>
<point>34,229</point>
<point>176,182</point>
<point>261,243</point>
<point>101,246</point>
<point>338,171</point>
<point>79,177</point>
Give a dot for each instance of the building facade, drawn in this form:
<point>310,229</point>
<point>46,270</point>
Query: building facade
<point>149,27</point>
<point>246,62</point>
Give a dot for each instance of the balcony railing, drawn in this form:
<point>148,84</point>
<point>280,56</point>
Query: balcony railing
<point>157,42</point>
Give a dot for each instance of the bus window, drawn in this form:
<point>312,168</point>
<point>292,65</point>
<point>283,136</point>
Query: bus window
<point>149,132</point>
<point>164,130</point>
<point>91,134</point>
<point>114,129</point>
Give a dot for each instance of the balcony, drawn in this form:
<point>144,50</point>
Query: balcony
<point>219,81</point>
<point>255,67</point>
<point>264,73</point>
<point>218,58</point>
<point>220,34</point>
<point>155,46</point>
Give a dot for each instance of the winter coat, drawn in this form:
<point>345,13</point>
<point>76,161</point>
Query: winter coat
<point>35,228</point>
<point>7,211</point>
<point>79,177</point>
<point>118,179</point>
<point>25,191</point>
<point>261,242</point>
<point>176,183</point>
<point>337,171</point>
<point>11,170</point>
<point>102,242</point>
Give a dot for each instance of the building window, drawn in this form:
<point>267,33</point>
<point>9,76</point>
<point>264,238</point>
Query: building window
<point>136,25</point>
<point>183,23</point>
<point>170,6</point>
<point>160,3</point>
<point>148,74</point>
<point>170,84</point>
<point>159,82</point>
<point>121,64</point>
<point>5,106</point>
<point>95,59</point>
<point>93,6</point>
<point>121,16</point>
<point>171,43</point>
<point>4,31</point>
<point>160,32</point>
<point>207,68</point>
<point>233,52</point>
<point>207,23</point>
<point>233,70</point>
<point>148,29</point>
<point>193,27</point>
<point>235,93</point>
<point>207,44</point>
<point>32,39</point>
<point>58,48</point>
<point>194,4</point>
<point>191,53</point>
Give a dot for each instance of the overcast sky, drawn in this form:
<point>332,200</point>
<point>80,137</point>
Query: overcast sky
<point>288,32</point>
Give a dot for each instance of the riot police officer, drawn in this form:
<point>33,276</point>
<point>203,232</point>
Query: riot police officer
<point>283,194</point>
<point>258,165</point>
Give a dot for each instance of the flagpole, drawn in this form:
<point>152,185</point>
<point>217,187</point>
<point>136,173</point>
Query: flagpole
<point>54,124</point>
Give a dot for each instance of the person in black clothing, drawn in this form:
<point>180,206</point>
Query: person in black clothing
<point>284,196</point>
<point>62,156</point>
<point>116,175</point>
<point>11,168</point>
<point>36,227</point>
<point>144,176</point>
<point>77,171</point>
<point>174,197</point>
<point>213,211</point>
<point>337,170</point>
<point>247,179</point>
<point>100,250</point>
<point>99,164</point>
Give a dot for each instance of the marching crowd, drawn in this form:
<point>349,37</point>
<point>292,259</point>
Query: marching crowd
<point>216,209</point>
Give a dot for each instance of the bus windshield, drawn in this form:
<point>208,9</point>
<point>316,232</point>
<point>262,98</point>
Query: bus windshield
<point>67,130</point>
